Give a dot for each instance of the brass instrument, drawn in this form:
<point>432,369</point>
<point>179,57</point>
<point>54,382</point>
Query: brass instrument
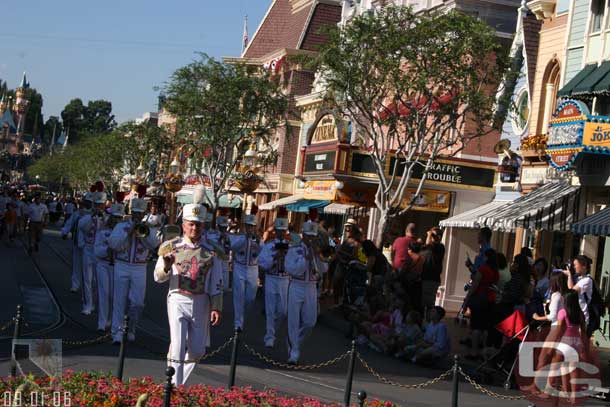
<point>141,230</point>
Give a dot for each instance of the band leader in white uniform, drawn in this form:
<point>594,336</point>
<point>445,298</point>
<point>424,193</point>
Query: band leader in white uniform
<point>130,258</point>
<point>305,267</point>
<point>271,260</point>
<point>88,226</point>
<point>71,226</point>
<point>105,267</point>
<point>195,291</point>
<point>246,248</point>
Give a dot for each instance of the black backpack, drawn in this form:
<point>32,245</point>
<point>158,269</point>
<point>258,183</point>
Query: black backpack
<point>596,307</point>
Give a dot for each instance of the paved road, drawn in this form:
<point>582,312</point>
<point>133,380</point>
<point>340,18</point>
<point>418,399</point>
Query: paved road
<point>57,316</point>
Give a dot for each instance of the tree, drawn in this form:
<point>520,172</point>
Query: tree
<point>417,87</point>
<point>94,118</point>
<point>52,125</point>
<point>218,108</point>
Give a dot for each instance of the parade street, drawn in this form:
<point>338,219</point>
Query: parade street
<point>61,319</point>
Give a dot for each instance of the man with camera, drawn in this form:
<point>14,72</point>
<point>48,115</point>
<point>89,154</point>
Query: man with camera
<point>195,291</point>
<point>271,261</point>
<point>88,227</point>
<point>246,247</point>
<point>305,267</point>
<point>131,242</point>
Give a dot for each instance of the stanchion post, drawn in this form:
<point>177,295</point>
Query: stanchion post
<point>119,369</point>
<point>350,376</point>
<point>456,381</point>
<point>361,398</point>
<point>234,358</point>
<point>167,396</point>
<point>16,335</point>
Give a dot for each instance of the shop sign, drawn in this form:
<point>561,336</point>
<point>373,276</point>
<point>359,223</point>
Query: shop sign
<point>320,190</point>
<point>427,200</point>
<point>326,130</point>
<point>320,161</point>
<point>566,132</point>
<point>597,133</point>
<point>533,175</point>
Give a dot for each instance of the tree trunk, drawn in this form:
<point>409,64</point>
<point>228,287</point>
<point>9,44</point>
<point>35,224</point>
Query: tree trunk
<point>381,227</point>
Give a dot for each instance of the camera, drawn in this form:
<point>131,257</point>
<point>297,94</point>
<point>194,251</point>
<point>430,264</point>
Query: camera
<point>281,246</point>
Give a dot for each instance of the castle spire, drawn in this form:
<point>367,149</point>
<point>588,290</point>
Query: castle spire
<point>24,82</point>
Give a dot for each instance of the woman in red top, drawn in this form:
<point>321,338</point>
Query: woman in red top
<point>480,298</point>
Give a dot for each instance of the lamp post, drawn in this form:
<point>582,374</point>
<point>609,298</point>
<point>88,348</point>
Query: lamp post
<point>173,183</point>
<point>248,180</point>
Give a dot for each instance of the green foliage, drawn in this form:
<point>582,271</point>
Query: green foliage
<point>94,118</point>
<point>218,107</point>
<point>416,86</point>
<point>51,125</point>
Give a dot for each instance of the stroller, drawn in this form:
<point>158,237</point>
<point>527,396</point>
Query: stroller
<point>516,330</point>
<point>355,285</point>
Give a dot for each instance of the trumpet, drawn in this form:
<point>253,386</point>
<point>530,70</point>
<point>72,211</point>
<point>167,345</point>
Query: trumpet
<point>141,230</point>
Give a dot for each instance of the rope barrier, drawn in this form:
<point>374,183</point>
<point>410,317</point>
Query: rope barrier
<point>269,360</point>
<point>206,356</point>
<point>99,339</point>
<point>404,386</point>
<point>488,392</point>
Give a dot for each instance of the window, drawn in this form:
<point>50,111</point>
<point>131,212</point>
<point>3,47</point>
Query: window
<point>548,95</point>
<point>521,114</point>
<point>597,15</point>
<point>562,7</point>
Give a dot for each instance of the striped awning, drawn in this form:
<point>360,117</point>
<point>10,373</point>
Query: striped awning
<point>304,205</point>
<point>337,208</point>
<point>553,206</point>
<point>269,206</point>
<point>597,224</point>
<point>470,219</point>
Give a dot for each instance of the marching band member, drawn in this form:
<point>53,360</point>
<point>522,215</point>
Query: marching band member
<point>271,260</point>
<point>195,291</point>
<point>105,266</point>
<point>220,238</point>
<point>305,267</point>
<point>154,219</point>
<point>71,226</point>
<point>88,226</point>
<point>246,248</point>
<point>131,241</point>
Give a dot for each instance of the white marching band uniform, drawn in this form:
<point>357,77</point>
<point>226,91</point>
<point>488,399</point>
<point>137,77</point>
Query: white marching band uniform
<point>195,290</point>
<point>71,226</point>
<point>221,240</point>
<point>87,230</point>
<point>130,254</point>
<point>276,289</point>
<point>105,277</point>
<point>305,269</point>
<point>245,275</point>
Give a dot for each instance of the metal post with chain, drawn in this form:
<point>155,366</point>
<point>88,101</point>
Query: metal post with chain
<point>167,397</point>
<point>234,359</point>
<point>456,381</point>
<point>119,370</point>
<point>350,376</point>
<point>16,334</point>
<point>361,398</point>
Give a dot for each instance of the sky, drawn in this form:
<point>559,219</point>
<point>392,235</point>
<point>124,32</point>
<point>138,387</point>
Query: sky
<point>117,50</point>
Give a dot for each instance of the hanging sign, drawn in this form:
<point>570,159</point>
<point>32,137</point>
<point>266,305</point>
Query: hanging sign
<point>320,190</point>
<point>566,130</point>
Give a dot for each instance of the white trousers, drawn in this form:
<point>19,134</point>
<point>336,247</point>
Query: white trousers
<point>276,305</point>
<point>105,283</point>
<point>77,267</point>
<point>89,261</point>
<point>245,284</point>
<point>189,327</point>
<point>129,284</point>
<point>302,315</point>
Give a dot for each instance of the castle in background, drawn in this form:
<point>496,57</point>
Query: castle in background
<point>12,121</point>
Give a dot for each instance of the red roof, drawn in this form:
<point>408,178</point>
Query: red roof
<point>284,27</point>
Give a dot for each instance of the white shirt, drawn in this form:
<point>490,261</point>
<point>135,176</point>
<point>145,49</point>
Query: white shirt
<point>153,220</point>
<point>585,283</point>
<point>555,306</point>
<point>37,212</point>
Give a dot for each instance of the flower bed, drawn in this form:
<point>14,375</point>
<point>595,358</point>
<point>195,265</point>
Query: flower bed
<point>101,390</point>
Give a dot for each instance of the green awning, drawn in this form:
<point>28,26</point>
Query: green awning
<point>305,205</point>
<point>580,76</point>
<point>587,85</point>
<point>603,86</point>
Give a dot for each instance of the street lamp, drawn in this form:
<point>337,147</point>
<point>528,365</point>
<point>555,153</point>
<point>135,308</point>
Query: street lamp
<point>140,172</point>
<point>174,166</point>
<point>173,183</point>
<point>251,157</point>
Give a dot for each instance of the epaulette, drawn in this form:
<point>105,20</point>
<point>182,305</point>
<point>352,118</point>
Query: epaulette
<point>167,247</point>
